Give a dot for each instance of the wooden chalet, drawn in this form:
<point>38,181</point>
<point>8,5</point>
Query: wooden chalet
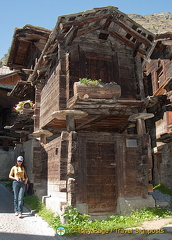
<point>8,80</point>
<point>158,72</point>
<point>27,45</point>
<point>96,151</point>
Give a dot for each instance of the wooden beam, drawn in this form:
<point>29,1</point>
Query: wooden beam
<point>70,123</point>
<point>42,70</point>
<point>129,43</point>
<point>23,39</point>
<point>133,33</point>
<point>87,122</point>
<point>88,30</point>
<point>27,71</point>
<point>47,56</point>
<point>70,35</point>
<point>82,21</point>
<point>107,22</point>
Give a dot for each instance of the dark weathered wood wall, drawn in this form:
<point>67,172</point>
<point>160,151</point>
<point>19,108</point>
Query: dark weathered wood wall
<point>103,62</point>
<point>159,72</point>
<point>97,169</point>
<point>50,97</point>
<point>108,170</point>
<point>91,58</point>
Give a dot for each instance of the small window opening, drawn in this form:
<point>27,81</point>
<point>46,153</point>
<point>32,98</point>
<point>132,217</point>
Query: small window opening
<point>103,36</point>
<point>57,150</point>
<point>128,36</point>
<point>150,38</point>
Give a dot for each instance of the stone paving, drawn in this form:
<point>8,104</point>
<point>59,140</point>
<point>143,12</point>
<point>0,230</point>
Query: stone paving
<point>27,228</point>
<point>34,228</point>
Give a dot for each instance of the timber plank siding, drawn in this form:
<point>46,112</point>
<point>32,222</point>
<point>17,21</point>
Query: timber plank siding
<point>95,155</point>
<point>107,170</point>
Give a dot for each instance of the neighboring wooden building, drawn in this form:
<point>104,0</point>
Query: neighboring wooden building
<point>8,80</point>
<point>159,72</point>
<point>27,45</point>
<point>97,152</point>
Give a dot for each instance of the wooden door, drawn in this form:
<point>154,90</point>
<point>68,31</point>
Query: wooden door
<point>98,183</point>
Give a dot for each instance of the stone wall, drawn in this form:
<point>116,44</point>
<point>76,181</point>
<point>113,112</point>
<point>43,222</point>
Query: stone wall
<point>166,166</point>
<point>6,162</point>
<point>57,152</point>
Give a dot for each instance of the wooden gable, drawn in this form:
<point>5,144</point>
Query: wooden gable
<point>102,43</point>
<point>28,42</point>
<point>105,23</point>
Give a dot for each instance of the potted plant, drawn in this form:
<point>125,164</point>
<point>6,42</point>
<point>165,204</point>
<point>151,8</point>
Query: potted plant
<point>89,88</point>
<point>28,104</point>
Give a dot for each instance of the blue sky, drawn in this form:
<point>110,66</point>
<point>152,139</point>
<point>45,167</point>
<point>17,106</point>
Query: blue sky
<point>45,13</point>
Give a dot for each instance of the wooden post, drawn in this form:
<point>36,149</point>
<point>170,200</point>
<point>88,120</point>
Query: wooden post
<point>141,129</point>
<point>5,144</point>
<point>38,89</point>
<point>43,139</point>
<point>23,137</point>
<point>70,122</point>
<point>140,119</point>
<point>139,77</point>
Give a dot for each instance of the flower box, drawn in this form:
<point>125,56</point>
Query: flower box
<point>109,91</point>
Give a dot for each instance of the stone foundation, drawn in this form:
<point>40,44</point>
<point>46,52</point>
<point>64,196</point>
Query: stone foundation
<point>126,206</point>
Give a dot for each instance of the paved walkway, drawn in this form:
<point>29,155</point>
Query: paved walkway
<point>34,228</point>
<point>28,228</point>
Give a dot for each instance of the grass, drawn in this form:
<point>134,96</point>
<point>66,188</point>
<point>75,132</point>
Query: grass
<point>35,204</point>
<point>78,223</point>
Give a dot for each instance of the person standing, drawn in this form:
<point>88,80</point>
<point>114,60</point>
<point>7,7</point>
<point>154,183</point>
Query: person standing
<point>19,177</point>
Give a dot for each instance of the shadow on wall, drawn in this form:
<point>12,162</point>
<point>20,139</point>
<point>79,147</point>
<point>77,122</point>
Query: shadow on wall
<point>6,162</point>
<point>35,161</point>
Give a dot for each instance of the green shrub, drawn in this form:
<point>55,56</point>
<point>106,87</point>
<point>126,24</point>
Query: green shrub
<point>77,223</point>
